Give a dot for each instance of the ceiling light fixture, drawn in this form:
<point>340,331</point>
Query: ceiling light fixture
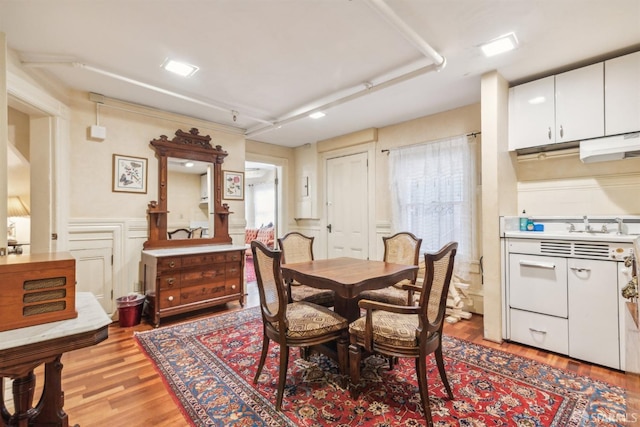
<point>180,68</point>
<point>499,45</point>
<point>188,164</point>
<point>317,115</point>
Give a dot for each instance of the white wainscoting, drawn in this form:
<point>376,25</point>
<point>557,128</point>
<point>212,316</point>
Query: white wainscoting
<point>108,254</point>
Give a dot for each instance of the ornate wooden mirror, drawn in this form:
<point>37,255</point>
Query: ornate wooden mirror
<point>187,146</point>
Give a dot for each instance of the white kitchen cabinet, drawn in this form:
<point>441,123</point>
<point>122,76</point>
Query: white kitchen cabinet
<point>580,103</point>
<point>532,114</point>
<point>593,311</point>
<point>622,94</point>
<point>561,108</point>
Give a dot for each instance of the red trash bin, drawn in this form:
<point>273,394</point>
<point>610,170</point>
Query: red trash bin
<point>130,309</point>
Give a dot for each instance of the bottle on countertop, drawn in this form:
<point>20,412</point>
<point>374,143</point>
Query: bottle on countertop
<point>523,221</point>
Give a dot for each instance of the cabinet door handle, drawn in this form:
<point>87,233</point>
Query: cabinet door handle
<point>580,269</point>
<point>549,134</point>
<point>537,330</point>
<point>547,265</point>
<point>561,132</point>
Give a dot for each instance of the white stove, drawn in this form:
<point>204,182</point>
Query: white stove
<point>561,286</point>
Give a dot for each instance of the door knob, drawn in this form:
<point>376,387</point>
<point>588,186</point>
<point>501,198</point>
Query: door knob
<point>329,228</point>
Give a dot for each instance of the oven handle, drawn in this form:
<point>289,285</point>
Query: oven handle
<point>581,270</point>
<point>548,265</point>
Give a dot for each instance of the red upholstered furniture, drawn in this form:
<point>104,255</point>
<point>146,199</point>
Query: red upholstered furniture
<point>265,235</point>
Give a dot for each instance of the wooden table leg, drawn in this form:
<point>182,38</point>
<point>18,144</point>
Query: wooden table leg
<point>49,410</point>
<point>4,413</point>
<point>23,388</point>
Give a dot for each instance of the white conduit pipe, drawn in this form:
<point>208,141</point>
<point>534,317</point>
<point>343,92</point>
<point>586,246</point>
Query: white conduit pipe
<point>368,90</point>
<point>407,32</point>
<point>383,9</point>
<point>141,84</point>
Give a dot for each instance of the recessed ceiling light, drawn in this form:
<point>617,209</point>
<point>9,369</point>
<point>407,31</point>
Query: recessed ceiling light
<point>188,164</point>
<point>317,115</point>
<point>499,45</point>
<point>180,68</point>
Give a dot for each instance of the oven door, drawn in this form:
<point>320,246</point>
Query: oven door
<point>538,284</point>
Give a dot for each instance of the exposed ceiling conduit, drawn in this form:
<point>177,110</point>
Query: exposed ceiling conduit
<point>233,112</point>
<point>407,32</point>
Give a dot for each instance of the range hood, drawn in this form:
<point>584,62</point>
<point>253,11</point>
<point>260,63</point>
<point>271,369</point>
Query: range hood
<point>615,147</point>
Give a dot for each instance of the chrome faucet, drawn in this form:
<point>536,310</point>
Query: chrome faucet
<point>587,227</point>
<point>572,227</point>
<point>620,222</point>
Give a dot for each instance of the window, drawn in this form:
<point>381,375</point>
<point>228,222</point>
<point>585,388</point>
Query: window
<point>433,188</point>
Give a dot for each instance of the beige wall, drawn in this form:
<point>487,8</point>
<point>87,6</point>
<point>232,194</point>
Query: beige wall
<point>129,131</point>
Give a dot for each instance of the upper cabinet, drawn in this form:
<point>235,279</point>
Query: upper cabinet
<point>580,103</point>
<point>561,108</point>
<point>622,94</point>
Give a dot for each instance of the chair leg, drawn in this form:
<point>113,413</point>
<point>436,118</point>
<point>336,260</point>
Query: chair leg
<point>263,356</point>
<point>355,356</point>
<point>421,371</point>
<point>443,373</point>
<point>343,354</point>
<point>282,377</point>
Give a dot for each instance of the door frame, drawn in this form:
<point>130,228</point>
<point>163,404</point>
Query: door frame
<point>368,148</point>
<point>282,187</point>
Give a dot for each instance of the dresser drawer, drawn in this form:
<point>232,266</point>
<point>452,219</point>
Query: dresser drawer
<point>234,256</point>
<point>169,264</point>
<point>214,273</point>
<point>169,298</point>
<point>201,293</point>
<point>171,281</point>
<point>232,270</point>
<point>202,259</point>
<point>539,330</point>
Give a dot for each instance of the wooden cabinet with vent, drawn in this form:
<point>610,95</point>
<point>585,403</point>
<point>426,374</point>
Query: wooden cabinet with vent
<point>36,289</point>
<point>180,280</point>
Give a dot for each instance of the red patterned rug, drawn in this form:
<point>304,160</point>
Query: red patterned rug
<point>208,365</point>
<point>249,271</point>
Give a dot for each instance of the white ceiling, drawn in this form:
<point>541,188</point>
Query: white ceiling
<point>272,59</point>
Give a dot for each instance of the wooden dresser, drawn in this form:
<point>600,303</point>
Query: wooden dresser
<point>180,280</point>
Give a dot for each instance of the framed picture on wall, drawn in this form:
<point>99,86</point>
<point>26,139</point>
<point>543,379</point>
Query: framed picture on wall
<point>233,187</point>
<point>129,174</point>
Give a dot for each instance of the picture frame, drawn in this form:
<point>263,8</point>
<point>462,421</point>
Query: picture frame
<point>233,185</point>
<point>129,174</point>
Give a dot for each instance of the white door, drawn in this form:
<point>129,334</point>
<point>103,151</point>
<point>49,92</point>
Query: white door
<point>593,311</point>
<point>93,274</point>
<point>347,207</point>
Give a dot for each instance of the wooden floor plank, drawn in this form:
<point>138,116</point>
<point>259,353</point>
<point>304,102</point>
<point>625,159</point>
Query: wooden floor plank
<point>114,384</point>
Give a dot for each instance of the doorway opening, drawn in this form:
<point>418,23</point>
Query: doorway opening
<point>261,198</point>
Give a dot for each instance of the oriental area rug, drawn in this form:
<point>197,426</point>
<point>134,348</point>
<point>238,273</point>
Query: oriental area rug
<point>208,366</point>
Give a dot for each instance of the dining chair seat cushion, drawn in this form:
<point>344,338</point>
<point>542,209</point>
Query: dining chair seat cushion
<point>394,329</point>
<point>390,295</point>
<point>309,320</point>
<point>306,293</point>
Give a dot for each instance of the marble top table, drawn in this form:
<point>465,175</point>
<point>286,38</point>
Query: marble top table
<point>22,350</point>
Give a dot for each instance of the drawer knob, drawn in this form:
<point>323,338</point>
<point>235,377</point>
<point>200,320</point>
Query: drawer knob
<point>170,298</point>
<point>233,286</point>
<point>172,264</point>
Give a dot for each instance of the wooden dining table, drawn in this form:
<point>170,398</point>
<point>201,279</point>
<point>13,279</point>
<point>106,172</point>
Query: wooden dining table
<point>348,277</point>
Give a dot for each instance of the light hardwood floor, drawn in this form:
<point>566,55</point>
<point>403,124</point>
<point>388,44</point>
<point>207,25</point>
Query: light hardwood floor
<point>114,384</point>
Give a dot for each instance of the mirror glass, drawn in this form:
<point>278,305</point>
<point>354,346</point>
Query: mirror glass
<point>188,200</point>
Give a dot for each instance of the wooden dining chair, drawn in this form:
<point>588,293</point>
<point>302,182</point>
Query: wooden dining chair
<point>196,233</point>
<point>408,331</point>
<point>297,324</point>
<point>296,247</point>
<point>401,248</point>
<point>179,233</point>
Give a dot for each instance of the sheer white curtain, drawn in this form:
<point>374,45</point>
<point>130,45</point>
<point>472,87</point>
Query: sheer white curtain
<point>433,192</point>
